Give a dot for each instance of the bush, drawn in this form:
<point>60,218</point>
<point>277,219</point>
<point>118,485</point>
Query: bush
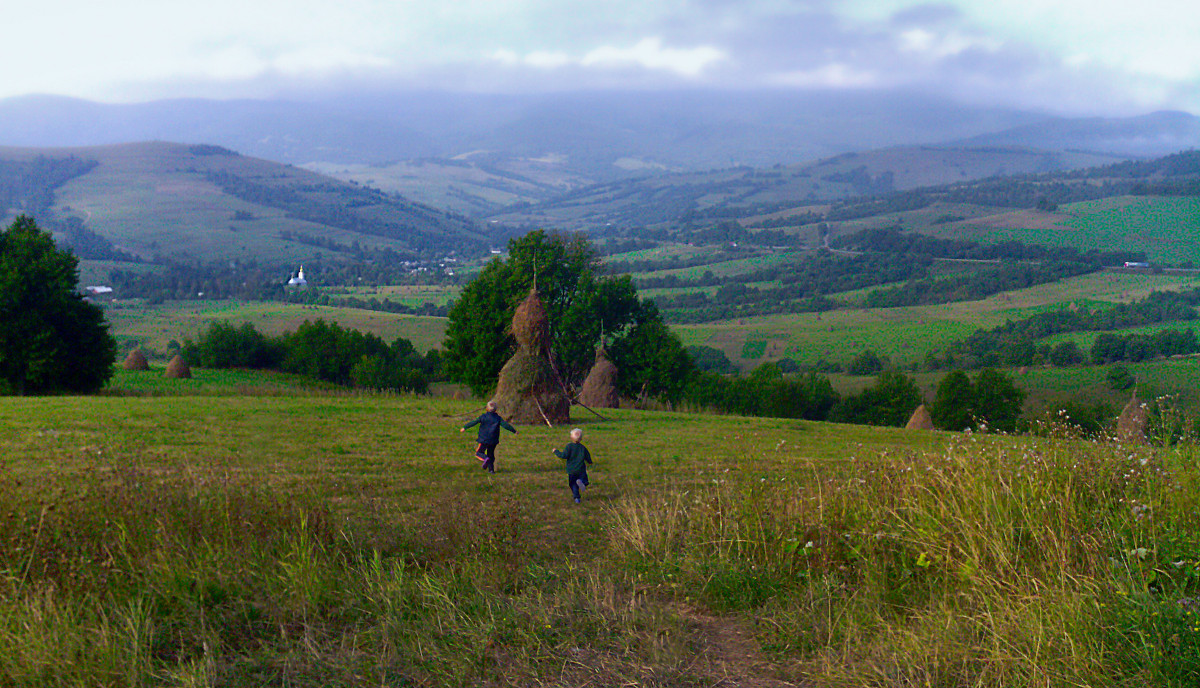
<point>866,363</point>
<point>1119,378</point>
<point>712,359</point>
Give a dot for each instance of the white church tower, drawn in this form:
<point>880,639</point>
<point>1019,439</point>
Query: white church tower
<point>298,280</point>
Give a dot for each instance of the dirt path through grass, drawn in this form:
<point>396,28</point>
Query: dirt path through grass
<point>731,653</point>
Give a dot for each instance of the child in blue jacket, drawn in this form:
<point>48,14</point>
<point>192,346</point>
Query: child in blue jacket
<point>577,457</point>
<point>489,435</point>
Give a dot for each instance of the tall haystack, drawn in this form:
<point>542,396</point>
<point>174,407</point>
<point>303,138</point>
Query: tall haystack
<point>600,387</point>
<point>178,368</point>
<point>1131,425</point>
<point>136,360</point>
<point>920,420</point>
<point>529,391</point>
<point>530,326</point>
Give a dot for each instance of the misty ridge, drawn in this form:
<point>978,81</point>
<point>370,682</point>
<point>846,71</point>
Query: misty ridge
<point>584,137</point>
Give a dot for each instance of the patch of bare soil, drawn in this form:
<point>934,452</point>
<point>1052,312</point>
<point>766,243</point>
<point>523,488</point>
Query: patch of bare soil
<point>731,656</point>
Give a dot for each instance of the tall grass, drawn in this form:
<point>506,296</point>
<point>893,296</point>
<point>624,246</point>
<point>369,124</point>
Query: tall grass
<point>141,578</point>
<point>998,562</point>
<point>988,561</point>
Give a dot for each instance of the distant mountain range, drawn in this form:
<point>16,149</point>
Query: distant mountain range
<point>404,172</point>
<point>573,139</point>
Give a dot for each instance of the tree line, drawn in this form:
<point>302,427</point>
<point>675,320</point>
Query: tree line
<point>320,351</point>
<point>991,399</point>
<point>1018,342</point>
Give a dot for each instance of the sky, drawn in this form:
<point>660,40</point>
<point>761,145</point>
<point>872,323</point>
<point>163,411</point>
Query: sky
<point>1063,56</point>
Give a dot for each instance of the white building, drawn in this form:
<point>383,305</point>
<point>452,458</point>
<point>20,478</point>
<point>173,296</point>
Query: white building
<point>298,280</point>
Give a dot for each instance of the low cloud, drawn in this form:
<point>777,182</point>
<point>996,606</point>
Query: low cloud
<point>648,54</point>
<point>835,75</point>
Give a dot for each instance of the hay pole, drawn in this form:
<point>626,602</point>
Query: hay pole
<point>563,386</point>
<point>539,408</point>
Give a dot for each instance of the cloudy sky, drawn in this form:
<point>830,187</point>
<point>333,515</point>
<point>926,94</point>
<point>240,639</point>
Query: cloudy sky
<point>1067,56</point>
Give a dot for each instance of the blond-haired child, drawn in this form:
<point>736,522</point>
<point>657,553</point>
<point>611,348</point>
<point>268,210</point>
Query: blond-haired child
<point>577,457</point>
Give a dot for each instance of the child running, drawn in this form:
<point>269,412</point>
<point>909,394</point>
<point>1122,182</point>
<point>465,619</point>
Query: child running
<point>489,435</point>
<point>577,457</point>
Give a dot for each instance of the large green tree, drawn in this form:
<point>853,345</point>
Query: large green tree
<point>582,304</point>
<point>51,339</point>
<point>992,399</point>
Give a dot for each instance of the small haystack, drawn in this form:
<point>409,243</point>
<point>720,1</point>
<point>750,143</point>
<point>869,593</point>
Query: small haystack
<point>1131,425</point>
<point>600,387</point>
<point>920,420</point>
<point>529,391</point>
<point>178,368</point>
<point>136,360</point>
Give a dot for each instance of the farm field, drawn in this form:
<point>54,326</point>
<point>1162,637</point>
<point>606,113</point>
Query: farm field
<point>727,268</point>
<point>906,334</point>
<point>411,295</point>
<point>1166,228</point>
<point>154,326</point>
<point>318,539</point>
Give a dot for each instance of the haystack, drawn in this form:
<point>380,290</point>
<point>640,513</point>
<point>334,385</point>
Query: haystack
<point>136,360</point>
<point>178,368</point>
<point>1131,424</point>
<point>920,420</point>
<point>529,391</point>
<point>600,387</point>
<point>530,326</point>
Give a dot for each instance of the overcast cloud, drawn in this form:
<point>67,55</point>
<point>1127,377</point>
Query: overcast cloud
<point>1069,56</point>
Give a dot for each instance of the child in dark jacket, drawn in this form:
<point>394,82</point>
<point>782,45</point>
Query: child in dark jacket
<point>489,435</point>
<point>577,457</point>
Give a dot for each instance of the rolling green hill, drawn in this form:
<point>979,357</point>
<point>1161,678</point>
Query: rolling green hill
<point>737,191</point>
<point>203,203</point>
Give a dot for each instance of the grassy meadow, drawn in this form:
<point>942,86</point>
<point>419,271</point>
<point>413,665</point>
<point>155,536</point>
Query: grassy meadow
<point>1153,224</point>
<point>283,535</point>
<point>905,334</point>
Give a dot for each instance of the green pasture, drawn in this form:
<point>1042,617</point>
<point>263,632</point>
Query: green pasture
<point>906,334</point>
<point>412,295</point>
<point>711,291</point>
<point>1165,228</point>
<point>464,189</point>
<point>150,201</point>
<point>210,382</point>
<point>406,450</point>
<point>312,539</point>
<point>727,268</point>
<point>154,326</point>
<point>660,252</point>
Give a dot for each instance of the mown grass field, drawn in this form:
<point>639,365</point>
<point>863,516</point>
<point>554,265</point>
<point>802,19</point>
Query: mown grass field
<point>154,326</point>
<point>322,539</point>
